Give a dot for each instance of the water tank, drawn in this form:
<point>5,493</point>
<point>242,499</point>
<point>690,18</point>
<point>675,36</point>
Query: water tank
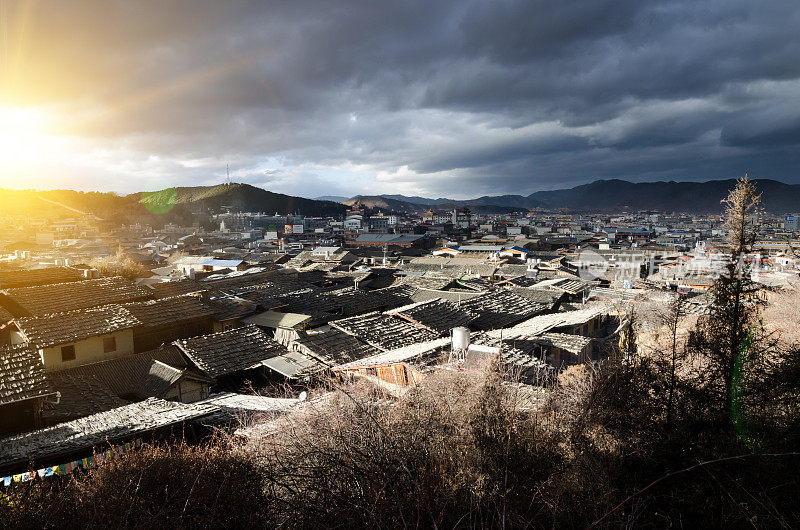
<point>460,338</point>
<point>190,273</point>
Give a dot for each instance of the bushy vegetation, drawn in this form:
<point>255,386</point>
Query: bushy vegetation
<point>120,264</point>
<point>160,486</point>
<point>461,450</point>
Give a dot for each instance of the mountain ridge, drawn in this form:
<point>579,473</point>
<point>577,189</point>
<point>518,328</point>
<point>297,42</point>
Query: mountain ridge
<point>610,195</point>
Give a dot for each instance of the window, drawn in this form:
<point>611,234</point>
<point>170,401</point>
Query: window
<point>109,344</point>
<point>68,353</point>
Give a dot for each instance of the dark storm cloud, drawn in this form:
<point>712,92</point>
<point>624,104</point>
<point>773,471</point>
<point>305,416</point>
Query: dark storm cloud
<point>414,96</point>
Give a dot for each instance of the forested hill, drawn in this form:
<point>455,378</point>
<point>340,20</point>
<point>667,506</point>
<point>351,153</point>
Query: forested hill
<point>243,197</point>
<point>169,205</point>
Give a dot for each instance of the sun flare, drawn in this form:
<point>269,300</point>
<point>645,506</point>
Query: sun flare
<point>22,133</point>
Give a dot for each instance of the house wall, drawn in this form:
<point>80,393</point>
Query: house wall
<point>20,416</point>
<point>88,351</point>
<point>146,339</point>
<point>398,373</point>
<point>187,391</point>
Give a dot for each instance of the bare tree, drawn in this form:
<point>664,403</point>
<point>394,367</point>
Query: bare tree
<point>672,320</point>
<point>731,336</point>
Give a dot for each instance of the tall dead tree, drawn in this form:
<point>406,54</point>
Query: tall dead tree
<point>730,336</point>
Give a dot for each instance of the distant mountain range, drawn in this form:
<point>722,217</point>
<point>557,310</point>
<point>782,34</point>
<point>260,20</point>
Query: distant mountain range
<point>184,205</point>
<point>605,195</point>
<point>385,202</point>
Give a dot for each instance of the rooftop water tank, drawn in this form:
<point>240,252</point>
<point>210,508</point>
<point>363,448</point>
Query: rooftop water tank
<point>460,338</point>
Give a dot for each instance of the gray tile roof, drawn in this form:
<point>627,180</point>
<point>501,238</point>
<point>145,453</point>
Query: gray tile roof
<point>420,295</point>
<point>231,351</point>
<point>165,311</point>
<point>571,343</point>
<point>104,385</point>
<point>11,279</point>
<point>5,316</point>
<point>395,296</point>
<point>232,308</point>
<point>519,360</point>
<point>437,315</point>
<point>333,347</point>
<point>383,331</point>
<point>59,297</point>
<point>62,328</point>
<point>22,375</point>
<point>230,284</point>
<point>498,309</point>
<point>475,284</point>
<point>524,281</point>
<point>426,282</point>
<point>82,394</point>
<point>98,429</point>
<point>541,296</point>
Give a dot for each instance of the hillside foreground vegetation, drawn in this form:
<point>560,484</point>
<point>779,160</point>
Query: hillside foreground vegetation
<point>697,427</point>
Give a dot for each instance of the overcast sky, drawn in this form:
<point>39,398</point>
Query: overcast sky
<point>435,98</point>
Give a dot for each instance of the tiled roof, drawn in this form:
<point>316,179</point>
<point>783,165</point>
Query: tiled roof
<point>426,282</point>
<point>61,328</point>
<point>540,324</point>
<point>383,331</point>
<point>231,308</point>
<point>333,347</point>
<point>421,353</point>
<point>231,351</point>
<point>21,375</point>
<point>524,281</point>
<point>437,315</point>
<point>5,316</point>
<point>99,386</point>
<point>498,309</point>
<point>344,302</point>
<point>564,341</point>
<point>164,311</point>
<point>475,284</point>
<point>541,296</point>
<point>420,295</point>
<point>97,429</point>
<point>395,295</point>
<point>230,284</point>
<point>29,277</point>
<point>60,297</point>
<point>82,393</point>
<point>518,359</point>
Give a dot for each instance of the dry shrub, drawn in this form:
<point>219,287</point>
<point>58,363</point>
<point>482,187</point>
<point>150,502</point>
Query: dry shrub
<point>162,486</point>
<point>454,451</point>
<point>457,451</point>
<point>120,264</point>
